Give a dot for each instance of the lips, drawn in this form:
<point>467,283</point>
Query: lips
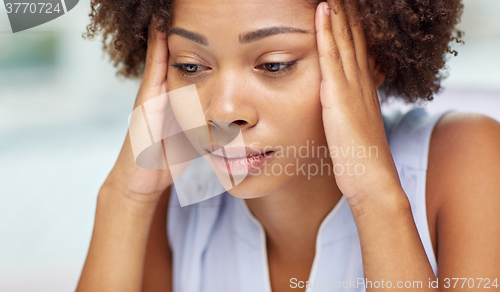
<point>238,160</point>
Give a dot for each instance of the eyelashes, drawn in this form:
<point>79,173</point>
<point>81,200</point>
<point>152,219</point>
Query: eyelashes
<point>278,68</point>
<point>186,68</point>
<point>272,69</point>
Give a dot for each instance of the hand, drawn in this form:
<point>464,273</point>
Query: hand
<point>136,182</point>
<point>351,111</point>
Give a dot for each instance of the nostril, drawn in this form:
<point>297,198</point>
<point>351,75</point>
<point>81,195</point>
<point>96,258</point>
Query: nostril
<point>240,122</point>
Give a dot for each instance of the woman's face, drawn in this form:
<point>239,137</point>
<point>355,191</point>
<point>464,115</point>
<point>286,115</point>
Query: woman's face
<point>266,82</point>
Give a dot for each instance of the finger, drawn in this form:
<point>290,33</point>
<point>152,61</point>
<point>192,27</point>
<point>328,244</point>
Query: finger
<point>329,56</point>
<point>359,38</point>
<point>343,36</point>
<point>155,71</point>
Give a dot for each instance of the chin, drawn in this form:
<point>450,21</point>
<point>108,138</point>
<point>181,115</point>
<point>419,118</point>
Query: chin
<point>257,186</point>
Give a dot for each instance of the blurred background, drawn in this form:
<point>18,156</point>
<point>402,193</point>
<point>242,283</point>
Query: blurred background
<point>63,119</point>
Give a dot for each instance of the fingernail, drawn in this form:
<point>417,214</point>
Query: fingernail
<point>326,9</point>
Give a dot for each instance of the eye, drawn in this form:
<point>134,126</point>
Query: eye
<point>280,68</point>
<point>273,67</point>
<point>190,70</point>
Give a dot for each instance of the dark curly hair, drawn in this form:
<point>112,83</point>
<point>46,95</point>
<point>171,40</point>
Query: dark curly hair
<point>410,39</point>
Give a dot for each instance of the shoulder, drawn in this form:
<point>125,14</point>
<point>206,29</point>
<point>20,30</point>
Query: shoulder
<point>464,151</point>
<point>461,132</point>
<point>463,191</point>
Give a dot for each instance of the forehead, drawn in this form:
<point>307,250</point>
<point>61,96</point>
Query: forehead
<point>212,17</point>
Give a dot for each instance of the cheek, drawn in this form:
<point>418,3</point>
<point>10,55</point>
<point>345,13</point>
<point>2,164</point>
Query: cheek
<point>309,121</point>
<point>307,105</point>
<point>300,118</point>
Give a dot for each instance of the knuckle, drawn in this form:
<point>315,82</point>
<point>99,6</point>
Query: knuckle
<point>330,52</point>
<point>364,75</point>
<point>359,73</point>
<point>347,33</point>
<point>357,78</point>
<point>334,5</point>
<point>333,53</point>
<point>151,32</point>
<point>149,58</point>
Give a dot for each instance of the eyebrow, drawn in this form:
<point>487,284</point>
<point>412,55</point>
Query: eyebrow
<point>244,39</point>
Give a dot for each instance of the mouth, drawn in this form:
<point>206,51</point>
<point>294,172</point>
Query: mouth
<point>238,160</point>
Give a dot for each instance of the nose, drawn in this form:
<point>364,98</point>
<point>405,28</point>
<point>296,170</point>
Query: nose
<point>231,102</point>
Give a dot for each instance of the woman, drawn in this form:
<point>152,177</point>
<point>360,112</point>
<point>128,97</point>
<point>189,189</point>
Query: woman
<point>289,73</point>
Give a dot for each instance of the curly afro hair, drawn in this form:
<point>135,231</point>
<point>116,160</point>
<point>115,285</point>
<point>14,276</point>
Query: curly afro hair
<point>410,39</point>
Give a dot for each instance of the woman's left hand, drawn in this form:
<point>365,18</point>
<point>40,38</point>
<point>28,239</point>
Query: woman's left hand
<point>363,163</point>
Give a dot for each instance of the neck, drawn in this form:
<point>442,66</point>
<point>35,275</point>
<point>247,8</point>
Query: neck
<point>291,217</point>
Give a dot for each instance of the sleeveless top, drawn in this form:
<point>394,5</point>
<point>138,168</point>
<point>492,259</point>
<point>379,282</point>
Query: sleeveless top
<point>218,245</point>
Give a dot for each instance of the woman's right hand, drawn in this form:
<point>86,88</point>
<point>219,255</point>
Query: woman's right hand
<point>141,184</point>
